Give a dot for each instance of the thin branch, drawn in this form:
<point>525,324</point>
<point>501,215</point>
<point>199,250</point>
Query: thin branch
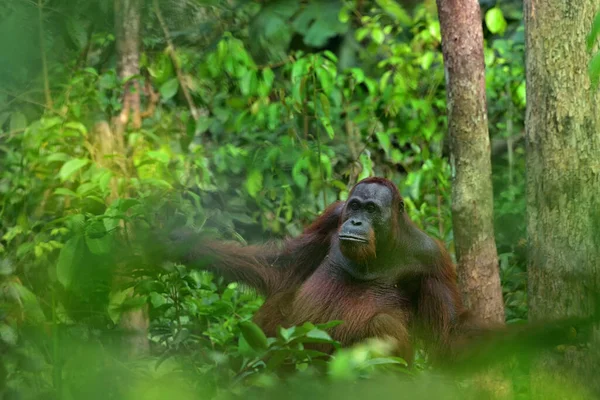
<point>171,51</point>
<point>47,93</point>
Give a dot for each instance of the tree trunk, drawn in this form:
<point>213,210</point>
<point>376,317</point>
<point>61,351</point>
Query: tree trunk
<point>127,28</point>
<point>563,169</point>
<point>472,195</point>
<point>135,322</point>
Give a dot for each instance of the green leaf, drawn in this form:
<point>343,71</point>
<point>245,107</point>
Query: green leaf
<point>65,192</point>
<point>393,8</point>
<point>70,167</point>
<point>383,81</point>
<point>17,121</point>
<point>522,94</point>
<point>159,155</point>
<point>367,164</point>
<point>126,204</point>
<point>70,256</point>
<point>319,336</point>
<point>494,20</point>
<point>595,32</point>
<point>427,60</point>
<point>384,141</point>
<point>29,301</point>
<point>326,122</point>
<point>344,15</point>
<point>435,31</point>
<point>254,183</point>
<point>384,361</point>
<point>77,126</point>
<point>325,106</point>
<point>594,70</point>
<point>77,30</point>
<point>49,123</point>
<point>8,335</point>
<point>254,335</point>
<point>96,238</point>
<point>268,77</point>
<point>299,177</point>
<point>286,333</point>
<point>115,302</point>
<point>378,36</point>
<point>157,299</point>
<point>91,71</point>
<point>57,157</point>
<point>248,83</point>
<point>169,88</point>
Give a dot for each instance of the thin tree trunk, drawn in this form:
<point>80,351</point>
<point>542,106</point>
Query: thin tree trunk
<point>472,195</point>
<point>563,174</point>
<point>127,27</point>
<point>135,322</point>
<point>45,77</point>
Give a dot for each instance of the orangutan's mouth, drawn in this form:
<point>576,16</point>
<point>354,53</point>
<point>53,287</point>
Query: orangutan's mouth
<point>354,238</point>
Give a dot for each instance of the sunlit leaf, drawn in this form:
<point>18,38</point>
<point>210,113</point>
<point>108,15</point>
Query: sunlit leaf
<point>268,77</point>
<point>77,126</point>
<point>384,141</point>
<point>317,335</point>
<point>378,36</point>
<point>254,183</point>
<point>494,20</point>
<point>71,167</point>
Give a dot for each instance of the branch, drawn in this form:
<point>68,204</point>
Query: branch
<point>171,51</point>
<point>47,93</point>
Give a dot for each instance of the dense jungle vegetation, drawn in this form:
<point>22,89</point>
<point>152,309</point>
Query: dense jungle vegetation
<point>254,116</point>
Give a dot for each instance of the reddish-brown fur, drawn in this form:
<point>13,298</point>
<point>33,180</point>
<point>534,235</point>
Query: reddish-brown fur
<point>409,288</point>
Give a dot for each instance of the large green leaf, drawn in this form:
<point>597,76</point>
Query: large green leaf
<point>71,255</point>
<point>169,88</point>
<point>254,335</point>
<point>254,183</point>
<point>71,167</point>
<point>494,20</point>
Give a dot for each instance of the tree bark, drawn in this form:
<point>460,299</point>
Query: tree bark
<point>472,194</point>
<point>563,170</point>
<point>135,322</point>
<point>127,28</point>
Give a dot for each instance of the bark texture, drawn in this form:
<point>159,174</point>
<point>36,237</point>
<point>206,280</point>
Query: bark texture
<point>127,28</point>
<point>472,194</point>
<point>563,169</point>
<point>135,322</point>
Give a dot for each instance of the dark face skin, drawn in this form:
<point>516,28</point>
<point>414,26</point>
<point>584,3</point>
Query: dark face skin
<point>376,233</point>
<point>367,221</point>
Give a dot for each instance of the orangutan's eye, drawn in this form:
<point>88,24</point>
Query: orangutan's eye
<point>371,208</point>
<point>354,205</point>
